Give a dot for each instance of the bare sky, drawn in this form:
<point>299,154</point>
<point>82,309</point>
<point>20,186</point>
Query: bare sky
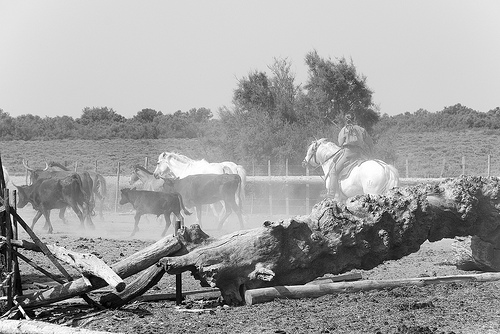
<point>60,56</point>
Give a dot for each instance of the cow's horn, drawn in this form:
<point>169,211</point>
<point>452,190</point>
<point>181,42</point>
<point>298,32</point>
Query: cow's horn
<point>26,166</point>
<point>46,166</point>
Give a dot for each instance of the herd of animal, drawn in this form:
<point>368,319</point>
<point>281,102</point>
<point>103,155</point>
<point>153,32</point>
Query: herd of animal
<point>179,183</point>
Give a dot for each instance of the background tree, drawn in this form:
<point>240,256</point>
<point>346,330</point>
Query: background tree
<point>146,115</point>
<point>336,89</point>
<point>284,90</point>
<point>6,126</point>
<point>99,115</point>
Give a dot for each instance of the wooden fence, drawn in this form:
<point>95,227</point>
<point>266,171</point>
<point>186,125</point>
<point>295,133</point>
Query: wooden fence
<point>284,189</point>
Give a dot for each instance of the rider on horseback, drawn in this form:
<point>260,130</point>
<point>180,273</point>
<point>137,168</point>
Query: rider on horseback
<point>355,144</point>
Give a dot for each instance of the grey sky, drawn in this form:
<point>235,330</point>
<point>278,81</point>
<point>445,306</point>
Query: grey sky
<point>60,56</point>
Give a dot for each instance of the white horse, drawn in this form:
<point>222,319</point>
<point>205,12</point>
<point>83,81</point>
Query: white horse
<point>182,166</point>
<point>369,177</point>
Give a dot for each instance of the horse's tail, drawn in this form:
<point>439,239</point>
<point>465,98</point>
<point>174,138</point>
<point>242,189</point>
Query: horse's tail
<point>392,176</point>
<point>182,207</point>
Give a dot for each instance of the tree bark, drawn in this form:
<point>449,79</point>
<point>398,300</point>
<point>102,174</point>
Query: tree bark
<point>334,238</point>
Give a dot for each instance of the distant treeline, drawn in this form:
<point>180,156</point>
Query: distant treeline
<point>104,123</point>
<point>454,118</point>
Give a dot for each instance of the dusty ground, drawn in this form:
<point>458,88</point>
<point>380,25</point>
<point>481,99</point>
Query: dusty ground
<point>446,308</point>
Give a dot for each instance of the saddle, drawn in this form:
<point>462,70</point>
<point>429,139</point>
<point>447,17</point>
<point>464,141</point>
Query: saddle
<point>348,167</point>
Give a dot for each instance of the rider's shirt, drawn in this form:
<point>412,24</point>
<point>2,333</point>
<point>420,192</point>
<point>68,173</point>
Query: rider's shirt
<point>351,136</point>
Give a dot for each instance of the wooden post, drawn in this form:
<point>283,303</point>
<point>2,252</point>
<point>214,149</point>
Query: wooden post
<point>407,168</point>
<point>442,168</point>
<point>117,193</point>
<point>8,250</point>
<point>76,166</point>
<point>488,173</point>
<point>18,289</point>
<point>463,165</point>
<point>287,204</point>
<point>307,192</point>
<point>178,277</point>
<point>269,188</point>
<point>146,162</point>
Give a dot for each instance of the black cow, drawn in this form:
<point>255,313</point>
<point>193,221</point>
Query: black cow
<point>100,188</point>
<point>200,189</point>
<point>154,202</point>
<point>52,193</point>
<point>87,187</point>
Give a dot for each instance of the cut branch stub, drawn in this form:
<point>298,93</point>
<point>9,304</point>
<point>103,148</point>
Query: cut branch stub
<point>335,238</point>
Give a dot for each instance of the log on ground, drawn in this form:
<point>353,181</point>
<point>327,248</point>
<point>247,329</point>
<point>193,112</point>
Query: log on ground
<point>127,267</point>
<point>263,295</point>
<point>335,239</point>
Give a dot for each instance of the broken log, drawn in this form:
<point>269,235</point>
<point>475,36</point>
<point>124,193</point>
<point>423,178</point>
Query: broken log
<point>89,265</point>
<point>137,262</point>
<point>40,327</point>
<point>264,295</point>
<point>145,280</point>
<point>336,238</point>
<point>125,268</point>
<point>190,238</point>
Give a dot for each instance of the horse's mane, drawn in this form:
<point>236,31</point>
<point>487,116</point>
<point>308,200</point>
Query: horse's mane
<point>327,142</point>
<point>186,159</point>
<point>143,169</point>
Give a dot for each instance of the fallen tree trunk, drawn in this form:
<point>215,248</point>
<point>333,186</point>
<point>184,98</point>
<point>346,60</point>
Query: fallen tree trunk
<point>362,234</point>
<point>125,268</point>
<point>264,295</point>
<point>188,238</point>
<point>145,280</point>
<point>40,327</point>
<point>89,265</point>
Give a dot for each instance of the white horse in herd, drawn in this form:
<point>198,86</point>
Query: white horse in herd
<point>369,177</point>
<point>181,166</point>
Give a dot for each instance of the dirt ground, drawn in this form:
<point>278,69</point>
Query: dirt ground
<point>444,308</point>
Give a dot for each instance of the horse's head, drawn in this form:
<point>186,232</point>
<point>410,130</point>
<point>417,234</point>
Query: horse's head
<point>162,169</point>
<point>133,177</point>
<point>310,158</point>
